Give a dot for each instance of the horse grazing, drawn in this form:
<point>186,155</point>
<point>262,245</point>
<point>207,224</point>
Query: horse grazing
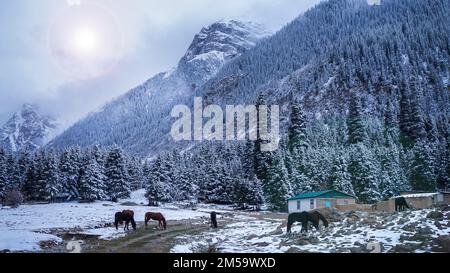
<point>126,216</point>
<point>214,219</point>
<point>157,217</point>
<point>401,204</point>
<point>304,218</point>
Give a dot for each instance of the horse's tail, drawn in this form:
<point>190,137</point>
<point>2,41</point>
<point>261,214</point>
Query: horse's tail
<point>133,223</point>
<point>324,220</point>
<point>289,223</point>
<point>117,220</point>
<point>164,222</point>
<point>146,220</point>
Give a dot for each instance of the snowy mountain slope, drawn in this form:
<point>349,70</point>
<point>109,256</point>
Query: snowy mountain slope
<point>140,119</point>
<point>26,130</point>
<point>345,46</point>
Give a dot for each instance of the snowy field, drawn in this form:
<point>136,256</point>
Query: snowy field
<point>23,228</point>
<point>409,231</point>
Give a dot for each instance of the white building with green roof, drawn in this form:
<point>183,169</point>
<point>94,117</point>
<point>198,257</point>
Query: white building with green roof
<point>322,199</point>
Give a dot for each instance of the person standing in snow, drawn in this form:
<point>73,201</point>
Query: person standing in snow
<point>214,219</point>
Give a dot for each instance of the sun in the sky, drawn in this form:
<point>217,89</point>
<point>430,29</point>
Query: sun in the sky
<point>85,40</point>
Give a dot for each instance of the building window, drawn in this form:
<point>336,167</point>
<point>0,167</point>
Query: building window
<point>299,203</point>
<point>311,203</point>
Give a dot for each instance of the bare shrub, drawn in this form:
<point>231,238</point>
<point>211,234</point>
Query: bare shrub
<point>13,198</point>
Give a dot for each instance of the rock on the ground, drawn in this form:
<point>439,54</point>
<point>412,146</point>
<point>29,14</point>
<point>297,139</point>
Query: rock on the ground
<point>443,243</point>
<point>437,215</point>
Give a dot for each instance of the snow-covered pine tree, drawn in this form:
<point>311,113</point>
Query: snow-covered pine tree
<point>69,167</point>
<point>49,179</point>
<point>91,181</point>
<point>275,188</point>
<point>22,165</point>
<point>14,177</point>
<point>340,178</point>
<point>355,124</point>
<point>117,179</point>
<point>242,192</point>
<point>256,197</point>
<point>421,169</point>
<point>157,187</point>
<point>3,174</point>
<point>184,186</point>
<point>247,160</point>
<point>261,159</point>
<point>30,183</point>
<point>99,154</point>
<point>365,171</point>
<point>135,173</point>
<point>297,128</point>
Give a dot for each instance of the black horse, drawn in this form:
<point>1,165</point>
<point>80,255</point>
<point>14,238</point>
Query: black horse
<point>214,219</point>
<point>401,204</point>
<point>305,217</point>
<point>126,216</point>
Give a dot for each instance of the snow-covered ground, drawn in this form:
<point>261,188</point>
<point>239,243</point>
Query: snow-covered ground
<point>23,228</point>
<point>353,234</point>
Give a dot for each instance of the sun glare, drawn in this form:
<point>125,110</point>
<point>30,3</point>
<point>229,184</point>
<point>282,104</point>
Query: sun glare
<point>85,40</point>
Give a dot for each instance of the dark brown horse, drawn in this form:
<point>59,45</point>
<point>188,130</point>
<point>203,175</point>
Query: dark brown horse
<point>126,216</point>
<point>401,204</point>
<point>157,217</point>
<point>305,217</point>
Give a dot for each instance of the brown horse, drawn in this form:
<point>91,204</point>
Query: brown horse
<point>157,217</point>
<point>126,216</point>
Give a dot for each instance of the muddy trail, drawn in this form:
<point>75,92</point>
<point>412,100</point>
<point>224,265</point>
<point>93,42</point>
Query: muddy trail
<point>150,240</point>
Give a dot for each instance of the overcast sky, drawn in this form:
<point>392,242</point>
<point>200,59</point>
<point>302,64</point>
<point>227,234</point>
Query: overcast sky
<point>153,35</point>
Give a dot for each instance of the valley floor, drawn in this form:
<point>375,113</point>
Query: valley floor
<point>49,227</point>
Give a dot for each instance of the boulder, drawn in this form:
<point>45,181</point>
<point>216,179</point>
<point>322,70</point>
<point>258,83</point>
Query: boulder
<point>438,224</point>
<point>404,248</point>
<point>442,243</point>
<point>261,244</point>
<point>436,215</point>
<point>277,231</point>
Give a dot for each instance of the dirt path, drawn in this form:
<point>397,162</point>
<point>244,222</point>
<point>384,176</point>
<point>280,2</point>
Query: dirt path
<point>148,240</point>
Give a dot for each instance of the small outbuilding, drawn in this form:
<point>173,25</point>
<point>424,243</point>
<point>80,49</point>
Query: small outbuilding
<point>317,200</point>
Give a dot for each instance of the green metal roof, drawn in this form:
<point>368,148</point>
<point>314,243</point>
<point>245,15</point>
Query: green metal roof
<point>322,194</point>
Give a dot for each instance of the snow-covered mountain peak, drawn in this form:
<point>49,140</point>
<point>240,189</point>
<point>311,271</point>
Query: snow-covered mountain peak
<point>217,44</point>
<point>27,129</point>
